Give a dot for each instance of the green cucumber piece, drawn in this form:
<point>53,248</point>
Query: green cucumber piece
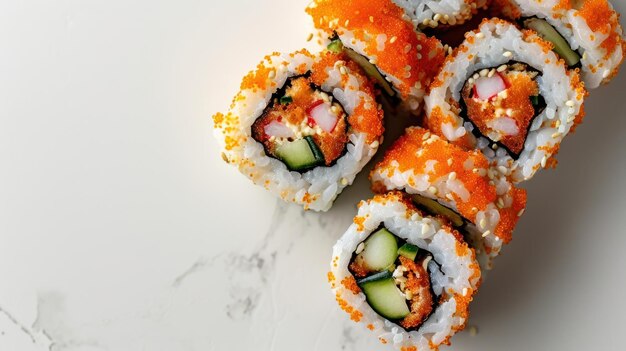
<point>300,154</point>
<point>285,100</point>
<point>409,251</point>
<point>436,208</point>
<point>370,70</point>
<point>375,277</point>
<point>385,298</point>
<point>547,32</point>
<point>381,250</point>
<point>534,100</point>
<point>335,46</point>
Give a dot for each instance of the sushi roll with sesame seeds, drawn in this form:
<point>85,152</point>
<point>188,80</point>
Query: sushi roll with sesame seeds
<point>506,93</point>
<point>302,126</point>
<point>381,38</point>
<point>407,277</point>
<point>585,34</point>
<point>456,185</point>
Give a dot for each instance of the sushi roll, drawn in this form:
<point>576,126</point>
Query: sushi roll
<point>406,277</point>
<point>457,185</point>
<point>506,93</point>
<point>585,34</point>
<point>380,37</point>
<point>302,126</point>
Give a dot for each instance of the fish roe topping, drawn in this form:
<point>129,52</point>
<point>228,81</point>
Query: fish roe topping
<point>427,154</point>
<point>350,283</point>
<point>390,40</point>
<point>601,18</point>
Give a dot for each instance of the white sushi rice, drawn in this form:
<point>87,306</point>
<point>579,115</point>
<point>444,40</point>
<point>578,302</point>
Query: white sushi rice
<point>431,13</point>
<point>495,43</point>
<point>459,276</point>
<point>315,189</point>
<point>597,67</point>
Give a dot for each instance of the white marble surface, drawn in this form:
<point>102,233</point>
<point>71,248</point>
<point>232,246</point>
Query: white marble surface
<point>122,229</point>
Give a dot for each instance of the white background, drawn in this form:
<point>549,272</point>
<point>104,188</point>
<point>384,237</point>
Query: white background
<point>122,229</point>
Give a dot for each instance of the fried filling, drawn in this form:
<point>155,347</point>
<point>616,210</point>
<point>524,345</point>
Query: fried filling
<point>502,102</point>
<point>301,110</point>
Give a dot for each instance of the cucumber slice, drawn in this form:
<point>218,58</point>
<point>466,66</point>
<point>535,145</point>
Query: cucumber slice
<point>409,251</point>
<point>381,250</point>
<point>547,32</point>
<point>370,70</point>
<point>300,154</point>
<point>335,46</point>
<point>437,208</point>
<point>375,277</point>
<point>385,298</point>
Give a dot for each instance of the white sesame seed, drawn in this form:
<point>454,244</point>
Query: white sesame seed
<point>425,229</point>
<point>374,144</point>
<point>501,68</point>
<point>342,70</point>
<point>544,160</point>
<point>393,39</point>
<point>437,17</point>
<point>521,212</point>
<point>407,48</point>
<point>346,23</point>
<point>464,291</point>
<point>480,35</point>
<point>482,223</point>
<point>419,47</point>
<point>372,19</point>
<point>484,72</point>
<point>432,190</point>
<point>569,103</point>
<point>500,202</point>
<point>485,234</point>
<point>309,37</point>
<point>502,169</point>
<point>272,75</point>
<point>360,248</point>
<point>507,54</point>
<point>426,136</point>
<point>344,181</point>
<point>419,56</point>
<point>450,162</point>
<point>407,67</point>
<point>452,176</point>
<point>606,74</point>
<point>449,197</point>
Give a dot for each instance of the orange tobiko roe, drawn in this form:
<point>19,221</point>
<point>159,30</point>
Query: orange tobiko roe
<point>410,57</point>
<point>405,152</point>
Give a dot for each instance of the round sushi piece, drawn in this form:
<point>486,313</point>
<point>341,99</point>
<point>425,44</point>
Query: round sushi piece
<point>302,126</point>
<point>381,38</point>
<point>434,13</point>
<point>506,93</point>
<point>456,185</point>
<point>585,34</point>
<point>406,277</point>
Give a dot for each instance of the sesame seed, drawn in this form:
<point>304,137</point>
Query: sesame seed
<point>521,212</point>
<point>501,68</point>
<point>432,190</point>
<point>500,202</point>
<point>494,146</point>
<point>407,48</point>
<point>375,144</point>
<point>569,103</point>
<point>407,67</point>
<point>309,37</point>
<point>450,162</point>
<point>360,248</point>
<point>544,160</point>
<point>344,181</point>
<point>449,197</point>
<point>426,136</point>
<point>452,176</point>
<point>556,135</point>
<point>606,74</point>
<point>419,56</point>
<point>480,35</point>
<point>502,169</point>
<point>342,70</point>
<point>419,47</point>
<point>346,23</point>
<point>484,72</point>
<point>464,291</point>
<point>425,21</point>
<point>272,74</point>
<point>393,39</point>
<point>372,19</point>
<point>485,234</point>
<point>470,80</point>
<point>482,223</point>
<point>224,157</point>
<point>437,17</point>
<point>491,73</point>
<point>373,61</point>
<point>425,229</point>
<point>474,209</point>
<point>507,54</point>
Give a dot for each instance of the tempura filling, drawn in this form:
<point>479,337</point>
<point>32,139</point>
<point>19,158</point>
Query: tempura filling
<point>501,103</point>
<point>303,126</point>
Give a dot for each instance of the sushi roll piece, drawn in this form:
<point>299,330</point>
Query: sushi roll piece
<point>456,185</point>
<point>381,38</point>
<point>506,93</point>
<point>406,277</point>
<point>586,34</point>
<point>302,126</point>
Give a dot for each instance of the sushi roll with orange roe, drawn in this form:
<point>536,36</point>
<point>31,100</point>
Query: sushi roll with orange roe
<point>506,93</point>
<point>434,13</point>
<point>586,34</point>
<point>381,38</point>
<point>407,277</point>
<point>457,185</point>
<point>302,126</point>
